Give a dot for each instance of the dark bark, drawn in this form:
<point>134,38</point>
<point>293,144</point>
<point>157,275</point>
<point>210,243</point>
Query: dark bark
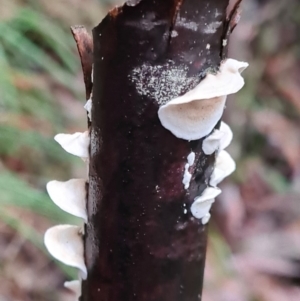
<point>142,242</point>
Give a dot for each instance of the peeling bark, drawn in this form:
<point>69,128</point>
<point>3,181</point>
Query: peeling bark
<point>141,240</point>
<point>85,48</point>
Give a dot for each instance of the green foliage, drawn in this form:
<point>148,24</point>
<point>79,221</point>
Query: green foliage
<point>17,192</point>
<point>36,238</point>
<point>39,65</point>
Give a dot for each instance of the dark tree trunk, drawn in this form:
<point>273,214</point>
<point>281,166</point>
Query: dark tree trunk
<point>142,242</point>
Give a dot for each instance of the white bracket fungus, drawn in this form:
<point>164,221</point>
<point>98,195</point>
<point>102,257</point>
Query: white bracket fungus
<point>193,115</point>
<point>212,142</point>
<point>76,144</point>
<point>70,196</point>
<point>218,140</point>
<point>227,137</point>
<point>74,286</point>
<point>225,165</point>
<point>202,204</point>
<point>65,243</point>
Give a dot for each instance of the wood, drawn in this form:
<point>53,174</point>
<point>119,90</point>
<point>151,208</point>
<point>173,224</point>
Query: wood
<point>142,242</point>
<point>84,44</point>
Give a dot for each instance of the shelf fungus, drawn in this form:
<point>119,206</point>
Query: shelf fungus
<point>224,166</point>
<point>64,242</point>
<point>74,286</point>
<point>76,144</point>
<point>218,140</point>
<point>70,196</point>
<point>194,115</point>
<point>202,204</point>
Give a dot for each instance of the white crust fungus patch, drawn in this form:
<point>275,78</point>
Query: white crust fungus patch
<point>182,22</point>
<point>70,196</point>
<point>191,158</point>
<point>162,82</point>
<point>225,165</point>
<point>202,204</point>
<point>65,243</point>
<point>212,27</point>
<point>76,144</point>
<point>187,175</point>
<point>174,34</point>
<point>74,286</point>
<point>194,114</point>
<point>218,139</point>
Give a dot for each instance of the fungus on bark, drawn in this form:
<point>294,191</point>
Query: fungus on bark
<point>64,242</point>
<point>70,196</point>
<point>219,139</point>
<point>156,87</point>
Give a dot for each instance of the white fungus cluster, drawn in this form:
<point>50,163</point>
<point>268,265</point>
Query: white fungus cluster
<point>191,117</point>
<point>194,115</point>
<point>224,166</point>
<point>65,242</point>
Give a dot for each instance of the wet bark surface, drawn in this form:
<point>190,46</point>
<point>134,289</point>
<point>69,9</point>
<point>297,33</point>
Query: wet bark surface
<point>142,242</point>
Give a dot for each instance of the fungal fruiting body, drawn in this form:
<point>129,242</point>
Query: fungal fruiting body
<point>74,286</point>
<point>224,166</point>
<point>70,196</point>
<point>195,115</point>
<point>218,139</point>
<point>76,144</point>
<point>202,204</point>
<point>65,242</point>
<point>187,176</point>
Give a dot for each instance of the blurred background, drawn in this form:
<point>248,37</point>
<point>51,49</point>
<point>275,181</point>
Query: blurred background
<point>254,241</point>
